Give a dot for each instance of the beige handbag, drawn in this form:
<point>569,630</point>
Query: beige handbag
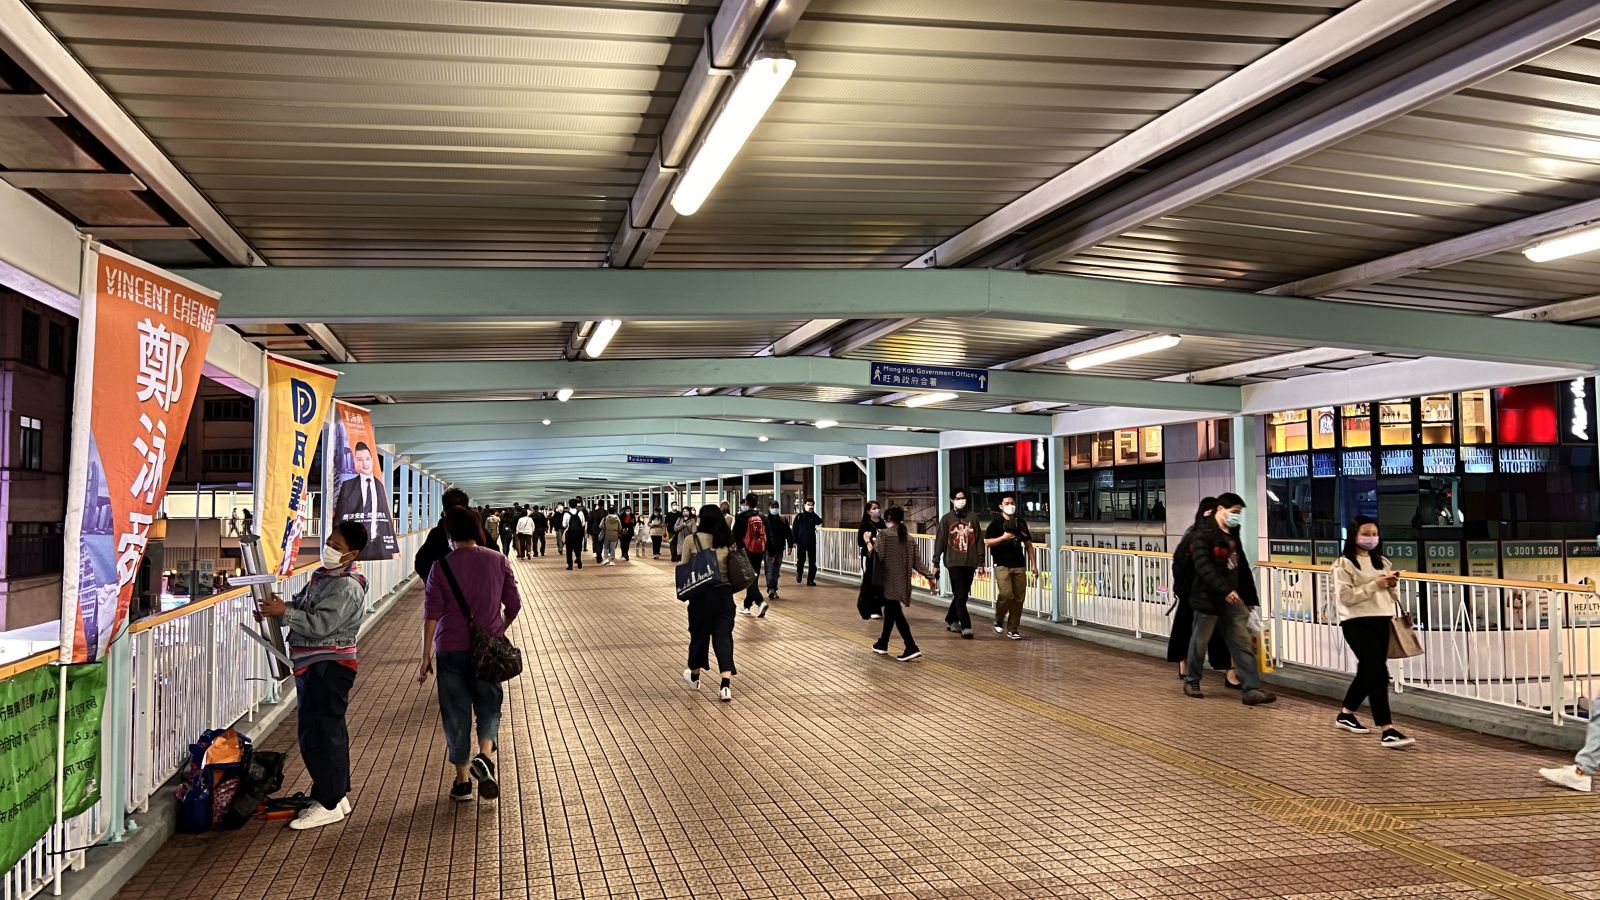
<point>1403,640</point>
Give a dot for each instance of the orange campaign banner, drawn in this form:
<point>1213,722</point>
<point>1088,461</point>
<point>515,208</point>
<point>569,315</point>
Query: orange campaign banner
<point>298,396</point>
<point>358,489</point>
<point>143,336</point>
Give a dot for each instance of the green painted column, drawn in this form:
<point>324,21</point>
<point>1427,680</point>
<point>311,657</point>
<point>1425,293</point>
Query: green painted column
<point>941,504</point>
<point>1244,484</point>
<point>1055,460</point>
<point>871,476</point>
<point>816,486</point>
<point>744,487</point>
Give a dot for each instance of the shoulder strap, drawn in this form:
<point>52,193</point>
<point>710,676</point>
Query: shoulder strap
<point>444,565</point>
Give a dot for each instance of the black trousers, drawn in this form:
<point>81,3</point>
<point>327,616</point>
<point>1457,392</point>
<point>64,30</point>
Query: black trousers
<point>805,554</point>
<point>574,553</point>
<point>1183,631</point>
<point>655,545</point>
<point>894,616</point>
<point>711,618</point>
<point>626,542</point>
<point>1368,637</point>
<point>758,562</point>
<point>960,589</point>
<point>675,555</point>
<point>538,543</point>
<point>323,696</point>
<point>599,547</point>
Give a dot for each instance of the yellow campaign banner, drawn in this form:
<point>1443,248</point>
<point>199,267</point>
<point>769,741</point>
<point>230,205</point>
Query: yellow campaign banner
<point>298,398</point>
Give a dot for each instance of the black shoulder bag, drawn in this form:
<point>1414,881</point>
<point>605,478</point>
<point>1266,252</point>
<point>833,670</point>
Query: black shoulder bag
<point>494,657</point>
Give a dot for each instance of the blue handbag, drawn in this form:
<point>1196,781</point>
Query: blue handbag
<point>698,573</point>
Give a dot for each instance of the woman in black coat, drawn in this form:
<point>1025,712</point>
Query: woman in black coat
<point>1183,613</point>
<point>868,601</point>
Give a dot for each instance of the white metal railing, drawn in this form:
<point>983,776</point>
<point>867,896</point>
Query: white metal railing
<point>192,669</point>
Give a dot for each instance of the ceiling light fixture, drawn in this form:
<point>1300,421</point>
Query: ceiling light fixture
<point>722,449</point>
<point>547,421</point>
<point>1585,241</point>
<point>827,423</point>
<point>564,394</point>
<point>1125,350</point>
<point>600,337</point>
<point>927,399</point>
<point>758,86</point>
<point>762,439</point>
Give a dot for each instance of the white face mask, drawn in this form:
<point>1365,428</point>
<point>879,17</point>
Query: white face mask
<point>773,509</point>
<point>1009,509</point>
<point>331,558</point>
<point>809,507</point>
<point>958,503</point>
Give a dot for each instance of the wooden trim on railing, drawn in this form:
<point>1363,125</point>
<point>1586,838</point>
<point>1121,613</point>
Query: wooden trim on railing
<point>149,622</point>
<point>29,663</point>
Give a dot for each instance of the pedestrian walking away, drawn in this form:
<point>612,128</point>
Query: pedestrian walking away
<point>541,525</point>
<point>437,544</point>
<point>712,611</point>
<point>1223,596</point>
<point>597,531</point>
<point>897,557</point>
<point>1580,775</point>
<point>573,528</point>
<point>610,535</point>
<point>1010,546</point>
<point>779,539</point>
<point>750,537</point>
<point>1183,613</point>
<point>1367,588</point>
<point>558,528</point>
<point>472,587</point>
<point>958,552</point>
<point>525,530</point>
<point>322,623</point>
<point>804,531</point>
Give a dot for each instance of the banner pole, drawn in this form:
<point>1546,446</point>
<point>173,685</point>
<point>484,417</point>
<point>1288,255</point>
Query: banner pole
<point>60,861</point>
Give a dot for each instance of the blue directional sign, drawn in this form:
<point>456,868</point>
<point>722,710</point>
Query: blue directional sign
<point>930,378</point>
<point>651,460</point>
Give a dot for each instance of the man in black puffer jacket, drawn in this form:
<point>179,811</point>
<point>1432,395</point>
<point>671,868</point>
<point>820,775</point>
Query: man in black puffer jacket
<point>1223,595</point>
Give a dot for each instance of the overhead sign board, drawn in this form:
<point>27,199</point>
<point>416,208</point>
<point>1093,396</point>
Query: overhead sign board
<point>930,378</point>
<point>651,460</point>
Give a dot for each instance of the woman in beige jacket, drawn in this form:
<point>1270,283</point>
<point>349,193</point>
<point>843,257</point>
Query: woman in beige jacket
<point>1366,586</point>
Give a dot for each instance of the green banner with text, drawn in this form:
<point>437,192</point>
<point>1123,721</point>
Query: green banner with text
<point>29,706</point>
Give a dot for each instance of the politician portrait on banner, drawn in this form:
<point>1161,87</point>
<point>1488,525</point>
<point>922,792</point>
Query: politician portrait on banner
<point>359,491</point>
<point>143,338</point>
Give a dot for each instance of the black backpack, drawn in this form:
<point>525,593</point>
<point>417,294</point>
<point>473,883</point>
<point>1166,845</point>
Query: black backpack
<point>1182,571</point>
<point>261,776</point>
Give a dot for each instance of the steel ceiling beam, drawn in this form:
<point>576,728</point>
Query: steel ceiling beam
<point>614,453</point>
<point>358,294</point>
<point>642,443</point>
<point>360,379</point>
<point>410,439</point>
<point>489,412</point>
<point>1479,44</point>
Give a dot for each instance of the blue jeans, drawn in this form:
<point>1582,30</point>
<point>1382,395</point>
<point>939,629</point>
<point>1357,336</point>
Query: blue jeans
<point>774,565</point>
<point>611,550</point>
<point>461,696</point>
<point>1233,622</point>
<point>1589,756</point>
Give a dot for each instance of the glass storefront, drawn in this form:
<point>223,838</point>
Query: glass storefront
<point>1459,483</point>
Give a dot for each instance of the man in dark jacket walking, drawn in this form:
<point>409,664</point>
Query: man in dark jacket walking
<point>1223,596</point>
<point>779,539</point>
<point>752,541</point>
<point>804,529</point>
<point>437,545</point>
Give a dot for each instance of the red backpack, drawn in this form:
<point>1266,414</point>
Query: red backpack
<point>755,535</point>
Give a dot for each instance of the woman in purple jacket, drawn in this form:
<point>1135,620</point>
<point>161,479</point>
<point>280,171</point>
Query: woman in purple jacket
<point>478,578</point>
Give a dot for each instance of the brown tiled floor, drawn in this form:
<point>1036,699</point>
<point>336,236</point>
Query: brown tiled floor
<point>987,769</point>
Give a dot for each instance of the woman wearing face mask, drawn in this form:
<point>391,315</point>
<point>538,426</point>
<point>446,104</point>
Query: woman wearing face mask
<point>958,550</point>
<point>898,555</point>
<point>871,521</point>
<point>478,580</point>
<point>1366,586</point>
<point>1183,613</point>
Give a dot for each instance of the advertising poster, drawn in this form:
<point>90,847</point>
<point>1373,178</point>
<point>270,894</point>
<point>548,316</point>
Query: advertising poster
<point>1532,560</point>
<point>1443,558</point>
<point>144,335</point>
<point>1583,562</point>
<point>29,703</point>
<point>1328,551</point>
<point>1483,559</point>
<point>359,492</point>
<point>298,396</point>
<point>1293,552</point>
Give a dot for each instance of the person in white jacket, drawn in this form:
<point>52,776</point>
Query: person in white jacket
<point>1366,586</point>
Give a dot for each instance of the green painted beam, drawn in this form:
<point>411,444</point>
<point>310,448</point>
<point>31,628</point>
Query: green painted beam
<point>657,445</point>
<point>278,294</point>
<point>459,415</point>
<point>578,457</point>
<point>608,375</point>
<point>408,437</point>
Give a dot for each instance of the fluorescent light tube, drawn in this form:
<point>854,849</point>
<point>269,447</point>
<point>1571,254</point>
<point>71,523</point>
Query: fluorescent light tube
<point>827,423</point>
<point>762,439</point>
<point>926,399</point>
<point>758,86</point>
<point>600,337</point>
<point>547,421</point>
<point>564,394</point>
<point>1136,347</point>
<point>1585,241</point>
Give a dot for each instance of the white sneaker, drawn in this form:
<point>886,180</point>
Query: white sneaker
<point>316,815</point>
<point>345,805</point>
<point>691,679</point>
<point>1568,777</point>
<point>726,694</point>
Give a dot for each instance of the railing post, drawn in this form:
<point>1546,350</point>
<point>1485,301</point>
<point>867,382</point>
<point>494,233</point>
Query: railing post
<point>1557,645</point>
<point>1138,598</point>
<point>1072,574</point>
<point>117,727</point>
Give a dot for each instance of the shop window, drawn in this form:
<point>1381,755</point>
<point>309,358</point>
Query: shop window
<point>56,349</point>
<point>1082,450</point>
<point>1105,449</point>
<point>29,350</point>
<point>1150,445</point>
<point>1438,419</point>
<point>1358,425</point>
<point>235,459</point>
<point>1476,427</point>
<point>33,548</point>
<point>1394,423</point>
<point>1526,414</point>
<point>229,409</point>
<point>1287,431</point>
<point>30,447</point>
<point>1215,439</point>
<point>1324,428</point>
<point>1128,447</point>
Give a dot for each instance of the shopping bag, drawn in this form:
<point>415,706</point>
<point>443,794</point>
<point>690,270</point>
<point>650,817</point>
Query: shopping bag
<point>740,573</point>
<point>1403,640</point>
<point>1260,641</point>
<point>697,574</point>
